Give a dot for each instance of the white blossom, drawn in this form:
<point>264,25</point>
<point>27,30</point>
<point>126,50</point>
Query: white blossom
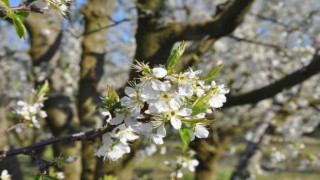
<point>175,112</point>
<point>124,133</point>
<point>5,175</point>
<point>159,72</point>
<point>201,131</point>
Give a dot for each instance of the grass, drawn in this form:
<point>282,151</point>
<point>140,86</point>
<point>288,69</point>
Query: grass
<point>153,168</point>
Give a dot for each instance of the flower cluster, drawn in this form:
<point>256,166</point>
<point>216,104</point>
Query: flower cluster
<point>159,97</point>
<point>59,5</point>
<point>182,162</point>
<point>30,112</point>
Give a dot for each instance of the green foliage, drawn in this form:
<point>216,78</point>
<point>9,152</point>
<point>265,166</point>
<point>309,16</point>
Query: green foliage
<point>111,101</point>
<point>200,105</point>
<point>212,74</point>
<point>20,28</point>
<point>60,161</point>
<point>175,55</point>
<point>184,132</point>
<point>17,18</point>
<point>195,121</point>
<point>44,88</point>
<point>108,177</point>
<point>5,4</point>
<point>22,14</point>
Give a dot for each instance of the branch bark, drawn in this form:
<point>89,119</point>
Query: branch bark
<point>155,41</point>
<point>297,77</point>
<point>81,136</point>
<point>96,14</point>
<point>241,171</point>
<point>227,18</point>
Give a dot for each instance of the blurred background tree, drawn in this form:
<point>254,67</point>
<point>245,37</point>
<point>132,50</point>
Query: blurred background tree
<point>270,56</point>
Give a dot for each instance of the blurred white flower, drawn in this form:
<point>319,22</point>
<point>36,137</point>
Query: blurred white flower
<point>5,175</point>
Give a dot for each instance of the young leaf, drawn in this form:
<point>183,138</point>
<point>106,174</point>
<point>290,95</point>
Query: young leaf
<point>20,28</point>
<point>22,14</point>
<point>185,134</point>
<point>199,120</point>
<point>211,75</point>
<point>175,56</point>
<point>5,4</point>
<point>44,88</point>
<point>200,105</point>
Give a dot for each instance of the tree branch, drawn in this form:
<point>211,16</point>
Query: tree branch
<point>241,171</point>
<point>272,89</point>
<point>227,18</point>
<point>10,129</point>
<point>81,136</point>
<point>273,46</point>
<point>22,7</point>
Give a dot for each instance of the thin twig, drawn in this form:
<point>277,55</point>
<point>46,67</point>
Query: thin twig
<point>81,136</point>
<point>10,129</point>
<point>3,11</point>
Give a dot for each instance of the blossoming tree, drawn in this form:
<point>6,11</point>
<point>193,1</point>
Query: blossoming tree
<point>165,93</point>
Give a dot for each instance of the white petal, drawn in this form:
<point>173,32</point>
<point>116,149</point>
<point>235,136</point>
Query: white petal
<point>185,112</point>
<point>200,92</point>
<point>157,139</point>
<point>117,120</point>
<point>175,122</point>
<point>166,86</point>
<point>101,151</point>
<point>125,101</point>
<point>185,90</point>
<point>21,103</point>
<point>104,112</point>
<point>130,121</point>
<point>130,91</point>
<point>161,86</point>
<point>145,128</point>
<point>161,131</point>
<point>201,131</point>
<point>41,4</point>
<point>174,105</point>
<point>159,72</point>
<point>42,114</point>
<point>158,107</point>
<point>215,102</point>
<point>107,141</point>
<point>149,93</point>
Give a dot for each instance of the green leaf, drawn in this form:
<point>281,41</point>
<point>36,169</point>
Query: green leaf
<point>20,28</point>
<point>111,101</point>
<point>199,108</point>
<point>200,105</point>
<point>211,75</point>
<point>175,56</point>
<point>5,4</point>
<point>112,95</point>
<point>44,88</point>
<point>22,14</point>
<point>198,120</point>
<point>184,132</point>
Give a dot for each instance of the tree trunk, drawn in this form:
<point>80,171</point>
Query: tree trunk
<point>60,109</point>
<point>210,150</point>
<point>97,15</point>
